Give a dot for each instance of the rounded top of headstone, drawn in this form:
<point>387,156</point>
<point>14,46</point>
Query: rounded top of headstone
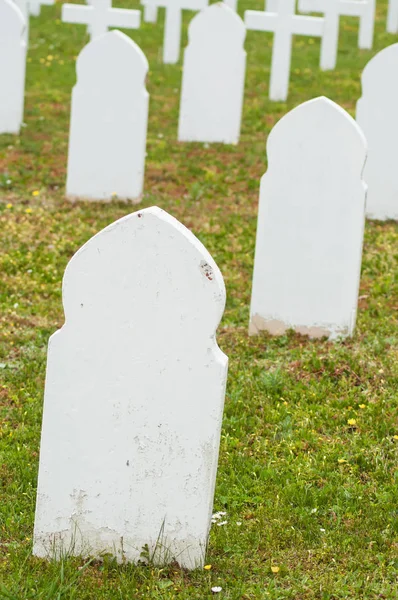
<point>314,128</point>
<point>143,274</point>
<point>220,22</point>
<point>379,76</point>
<point>111,57</point>
<point>12,21</point>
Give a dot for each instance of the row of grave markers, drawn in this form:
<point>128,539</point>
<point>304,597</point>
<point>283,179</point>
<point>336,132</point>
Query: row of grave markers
<point>137,356</point>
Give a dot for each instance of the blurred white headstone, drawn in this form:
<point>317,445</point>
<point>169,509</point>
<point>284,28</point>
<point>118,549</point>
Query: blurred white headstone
<point>99,16</point>
<point>213,77</point>
<point>35,6</point>
<point>377,115</point>
<point>109,117</point>
<point>23,5</point>
<point>332,10</point>
<point>310,224</point>
<point>173,24</point>
<point>284,23</point>
<point>232,4</point>
<point>134,398</point>
<point>392,19</point>
<point>12,66</point>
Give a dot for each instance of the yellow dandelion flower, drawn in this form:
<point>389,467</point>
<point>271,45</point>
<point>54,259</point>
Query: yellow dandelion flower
<point>28,211</point>
<point>351,422</point>
<point>341,461</point>
<point>207,567</point>
<point>9,205</point>
<point>35,193</point>
<point>362,406</point>
<point>275,569</point>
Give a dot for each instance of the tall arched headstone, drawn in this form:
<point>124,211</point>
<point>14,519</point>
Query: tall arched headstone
<point>213,77</point>
<point>134,397</point>
<point>310,224</point>
<point>377,115</point>
<point>12,66</point>
<point>109,117</point>
<point>392,18</point>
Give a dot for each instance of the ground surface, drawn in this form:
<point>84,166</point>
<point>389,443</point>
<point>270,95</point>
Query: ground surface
<point>308,465</point>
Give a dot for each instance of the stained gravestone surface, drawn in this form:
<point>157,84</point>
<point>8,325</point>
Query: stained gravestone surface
<point>378,117</point>
<point>173,24</point>
<point>284,23</point>
<point>392,18</point>
<point>310,224</point>
<point>213,77</point>
<point>109,117</point>
<point>134,398</point>
<point>332,10</point>
<point>99,16</point>
<point>12,66</point>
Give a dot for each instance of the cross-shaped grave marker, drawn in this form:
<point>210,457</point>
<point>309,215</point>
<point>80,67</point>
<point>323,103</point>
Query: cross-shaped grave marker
<point>100,15</point>
<point>392,19</point>
<point>333,10</point>
<point>284,23</point>
<point>172,26</point>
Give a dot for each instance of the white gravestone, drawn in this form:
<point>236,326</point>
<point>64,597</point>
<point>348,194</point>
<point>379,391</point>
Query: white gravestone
<point>12,66</point>
<point>173,24</point>
<point>134,397</point>
<point>310,224</point>
<point>333,9</point>
<point>232,4</point>
<point>35,6</point>
<point>377,115</point>
<point>150,13</point>
<point>284,23</point>
<point>213,77</point>
<point>23,5</point>
<point>100,15</point>
<point>109,117</point>
<point>392,19</point>
<point>271,5</point>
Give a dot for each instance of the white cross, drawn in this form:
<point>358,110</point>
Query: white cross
<point>333,9</point>
<point>172,27</point>
<point>35,6</point>
<point>100,15</point>
<point>284,23</point>
<point>150,13</point>
<point>392,20</point>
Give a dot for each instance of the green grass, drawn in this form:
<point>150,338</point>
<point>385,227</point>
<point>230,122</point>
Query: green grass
<point>308,461</point>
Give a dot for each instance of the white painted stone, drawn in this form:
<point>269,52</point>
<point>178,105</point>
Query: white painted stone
<point>35,6</point>
<point>99,16</point>
<point>23,5</point>
<point>134,397</point>
<point>271,5</point>
<point>12,66</point>
<point>392,19</point>
<point>150,13</point>
<point>213,77</point>
<point>173,23</point>
<point>109,118</point>
<point>284,23</point>
<point>332,10</point>
<point>232,4</point>
<point>377,115</point>
<point>310,224</point>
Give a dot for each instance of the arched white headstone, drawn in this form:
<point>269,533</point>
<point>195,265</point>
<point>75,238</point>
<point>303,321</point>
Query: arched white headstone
<point>310,224</point>
<point>332,10</point>
<point>392,18</point>
<point>109,118</point>
<point>12,66</point>
<point>377,115</point>
<point>213,77</point>
<point>23,5</point>
<point>284,23</point>
<point>232,4</point>
<point>134,397</point>
<point>173,24</point>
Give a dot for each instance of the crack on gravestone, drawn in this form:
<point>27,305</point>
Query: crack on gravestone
<point>207,271</point>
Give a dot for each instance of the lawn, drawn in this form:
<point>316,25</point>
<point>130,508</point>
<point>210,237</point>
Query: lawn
<point>308,463</point>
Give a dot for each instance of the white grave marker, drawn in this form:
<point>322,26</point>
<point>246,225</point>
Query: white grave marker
<point>109,117</point>
<point>35,6</point>
<point>284,23</point>
<point>392,19</point>
<point>23,5</point>
<point>333,10</point>
<point>173,24</point>
<point>232,4</point>
<point>213,77</point>
<point>150,12</point>
<point>377,115</point>
<point>310,224</point>
<point>271,5</point>
<point>100,15</point>
<point>134,397</point>
<point>12,66</point>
